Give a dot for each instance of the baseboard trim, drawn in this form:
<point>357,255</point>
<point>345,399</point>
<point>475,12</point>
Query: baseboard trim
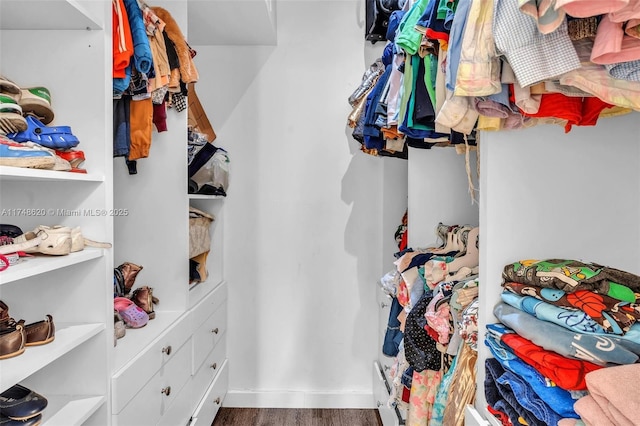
<point>283,399</point>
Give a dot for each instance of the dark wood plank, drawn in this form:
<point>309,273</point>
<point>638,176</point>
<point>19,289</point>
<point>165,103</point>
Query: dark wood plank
<point>296,417</point>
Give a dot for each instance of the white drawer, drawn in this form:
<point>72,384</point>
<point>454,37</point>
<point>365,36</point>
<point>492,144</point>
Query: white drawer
<point>208,335</point>
<point>212,401</point>
<point>128,381</point>
<point>209,305</point>
<point>385,365</point>
<point>209,369</point>
<point>381,397</point>
<point>150,404</point>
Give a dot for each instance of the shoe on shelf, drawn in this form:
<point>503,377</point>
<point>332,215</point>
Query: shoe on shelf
<point>31,421</point>
<point>21,403</point>
<point>11,119</point>
<point>36,101</point>
<point>12,341</point>
<point>20,155</point>
<point>133,315</point>
<point>40,332</point>
<point>54,137</point>
<point>9,87</point>
<point>79,242</point>
<point>74,157</point>
<point>119,329</point>
<point>54,241</point>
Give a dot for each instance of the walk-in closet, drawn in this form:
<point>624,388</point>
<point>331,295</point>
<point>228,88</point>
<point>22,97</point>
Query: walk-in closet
<point>362,211</point>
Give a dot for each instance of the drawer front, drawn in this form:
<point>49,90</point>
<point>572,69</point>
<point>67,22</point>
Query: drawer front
<point>212,401</point>
<point>385,364</point>
<point>209,305</point>
<point>208,335</point>
<point>211,366</point>
<point>148,406</point>
<point>381,397</point>
<point>129,381</point>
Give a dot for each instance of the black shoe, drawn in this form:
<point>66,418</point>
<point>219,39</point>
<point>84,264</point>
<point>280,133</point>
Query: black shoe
<point>20,403</point>
<point>32,421</point>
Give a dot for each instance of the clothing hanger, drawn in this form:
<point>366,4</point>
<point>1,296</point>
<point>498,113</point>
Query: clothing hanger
<point>451,242</point>
<point>461,235</point>
<point>472,256</point>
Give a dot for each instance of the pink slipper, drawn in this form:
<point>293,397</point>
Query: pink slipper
<point>133,315</point>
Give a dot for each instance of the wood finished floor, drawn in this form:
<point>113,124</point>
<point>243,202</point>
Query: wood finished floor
<point>296,417</point>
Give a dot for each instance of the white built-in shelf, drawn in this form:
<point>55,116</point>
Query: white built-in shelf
<point>46,15</point>
<point>206,197</point>
<point>198,291</point>
<point>39,264</point>
<point>9,173</point>
<point>70,410</point>
<point>137,339</point>
<point>34,358</point>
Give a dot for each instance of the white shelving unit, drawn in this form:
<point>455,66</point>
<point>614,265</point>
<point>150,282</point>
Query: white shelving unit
<point>546,194</point>
<point>161,372</point>
<point>437,192</point>
<point>543,194</point>
<point>72,43</point>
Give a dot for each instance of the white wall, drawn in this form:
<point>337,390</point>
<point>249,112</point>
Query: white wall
<point>309,218</point>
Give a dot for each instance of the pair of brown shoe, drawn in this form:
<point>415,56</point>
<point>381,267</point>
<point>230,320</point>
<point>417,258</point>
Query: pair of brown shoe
<point>15,335</point>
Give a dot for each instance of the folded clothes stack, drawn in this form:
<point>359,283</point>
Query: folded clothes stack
<point>561,322</point>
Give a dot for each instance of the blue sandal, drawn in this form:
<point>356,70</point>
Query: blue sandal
<point>54,137</point>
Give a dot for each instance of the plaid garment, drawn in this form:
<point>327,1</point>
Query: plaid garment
<point>533,56</point>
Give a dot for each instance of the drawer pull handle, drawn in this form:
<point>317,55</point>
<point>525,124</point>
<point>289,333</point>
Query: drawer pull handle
<point>214,365</point>
<point>378,404</point>
<point>217,401</point>
<point>167,350</point>
<point>166,391</point>
<point>383,305</point>
<point>215,330</point>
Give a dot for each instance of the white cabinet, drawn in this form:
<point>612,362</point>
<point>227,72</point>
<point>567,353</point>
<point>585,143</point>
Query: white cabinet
<point>64,46</point>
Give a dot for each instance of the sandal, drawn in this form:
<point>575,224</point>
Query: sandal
<point>75,158</point>
<point>133,315</point>
<point>54,241</point>
<point>54,137</point>
<point>25,242</point>
<point>79,242</point>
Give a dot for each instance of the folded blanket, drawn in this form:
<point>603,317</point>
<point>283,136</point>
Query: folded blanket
<point>592,413</point>
<point>567,373</point>
<point>615,391</point>
<point>599,350</point>
<point>571,319</point>
<point>570,275</point>
<point>614,315</point>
